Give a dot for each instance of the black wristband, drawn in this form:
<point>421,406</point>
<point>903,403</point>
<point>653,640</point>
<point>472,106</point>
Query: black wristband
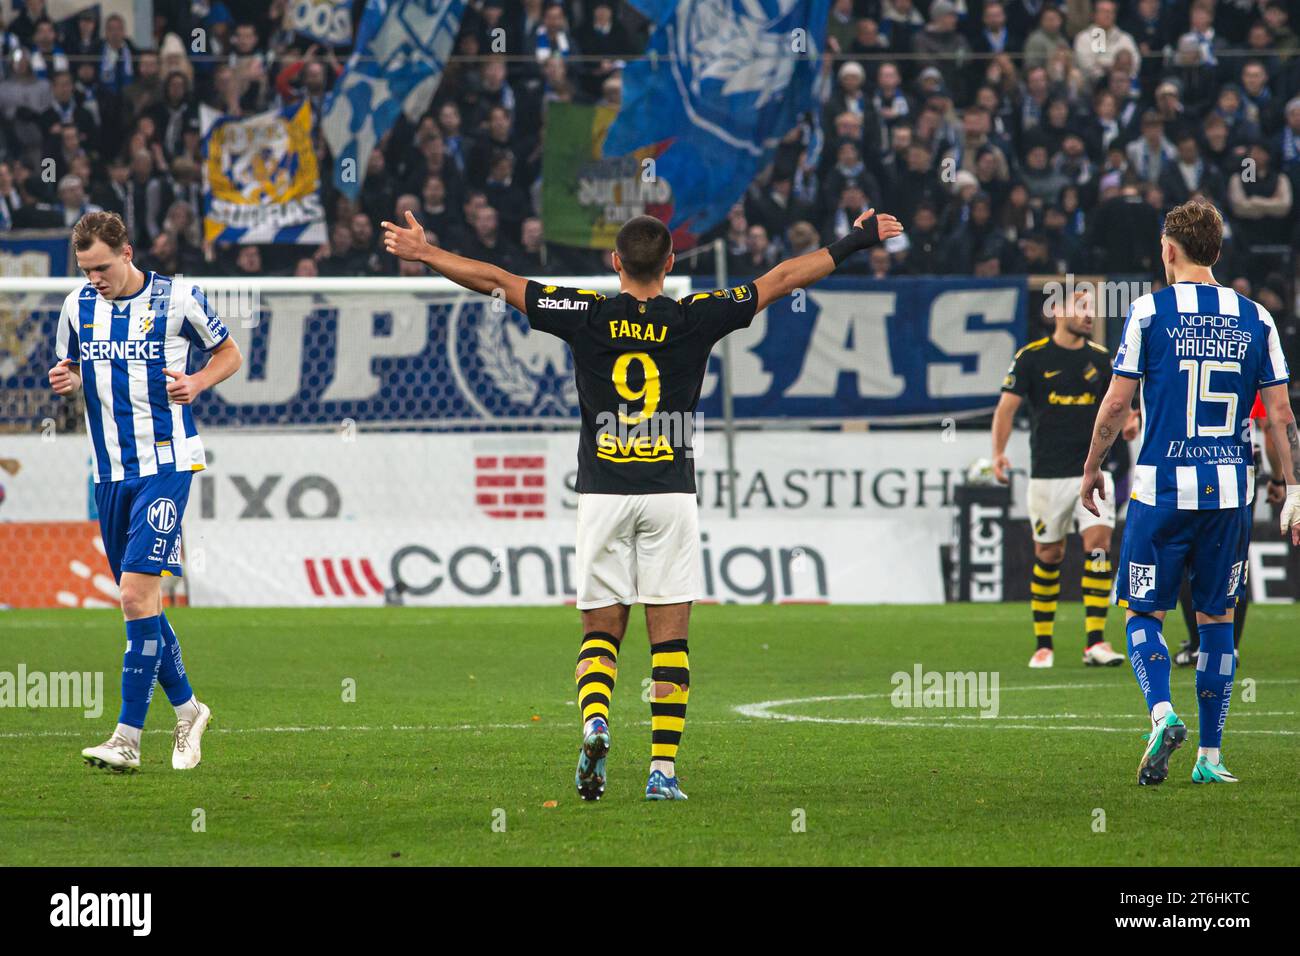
<point>1277,481</point>
<point>859,237</point>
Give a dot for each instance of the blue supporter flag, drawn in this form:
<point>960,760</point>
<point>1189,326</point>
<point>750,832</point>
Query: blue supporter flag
<point>397,63</point>
<point>722,82</point>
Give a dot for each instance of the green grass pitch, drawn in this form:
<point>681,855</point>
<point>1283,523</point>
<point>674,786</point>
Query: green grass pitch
<point>464,720</point>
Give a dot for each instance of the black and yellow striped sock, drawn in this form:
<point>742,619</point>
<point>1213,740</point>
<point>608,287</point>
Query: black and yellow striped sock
<point>1096,597</point>
<point>670,670</point>
<point>1044,588</point>
<point>596,672</point>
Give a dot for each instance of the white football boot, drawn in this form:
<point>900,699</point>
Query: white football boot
<point>117,754</point>
<point>1043,657</point>
<point>186,739</point>
<point>1102,654</point>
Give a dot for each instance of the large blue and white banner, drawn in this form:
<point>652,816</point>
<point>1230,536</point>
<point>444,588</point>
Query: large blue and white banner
<point>725,80</point>
<point>401,49</point>
<point>849,349</point>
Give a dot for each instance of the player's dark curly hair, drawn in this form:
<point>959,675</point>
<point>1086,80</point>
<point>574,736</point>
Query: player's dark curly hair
<point>644,244</point>
<point>1196,226</point>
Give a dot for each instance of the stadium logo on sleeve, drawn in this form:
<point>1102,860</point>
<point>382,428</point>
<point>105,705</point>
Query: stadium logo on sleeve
<point>161,515</point>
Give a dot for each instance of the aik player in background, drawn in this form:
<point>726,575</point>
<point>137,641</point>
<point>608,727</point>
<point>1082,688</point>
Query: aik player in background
<point>129,337</point>
<point>639,359</point>
<point>1062,377</point>
<point>1200,351</point>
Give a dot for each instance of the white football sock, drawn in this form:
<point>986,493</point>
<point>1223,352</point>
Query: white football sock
<point>1160,711</point>
<point>188,710</point>
<point>132,734</point>
<point>666,767</point>
<point>1209,753</point>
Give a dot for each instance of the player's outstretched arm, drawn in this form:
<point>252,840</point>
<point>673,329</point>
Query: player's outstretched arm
<point>1004,417</point>
<point>410,244</point>
<point>1286,443</point>
<point>868,230</point>
<point>1113,415</point>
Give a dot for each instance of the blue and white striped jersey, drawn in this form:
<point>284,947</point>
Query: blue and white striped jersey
<point>122,347</point>
<point>1202,352</point>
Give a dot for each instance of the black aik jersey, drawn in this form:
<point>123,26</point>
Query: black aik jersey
<point>639,368</point>
<point>1064,388</point>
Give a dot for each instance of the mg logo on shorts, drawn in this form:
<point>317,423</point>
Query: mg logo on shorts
<point>162,515</point>
<point>1141,580</point>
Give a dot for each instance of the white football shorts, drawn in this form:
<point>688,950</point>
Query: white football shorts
<point>638,549</point>
<point>1055,508</point>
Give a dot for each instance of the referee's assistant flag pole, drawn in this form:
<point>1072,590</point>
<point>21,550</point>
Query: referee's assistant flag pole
<point>728,412</point>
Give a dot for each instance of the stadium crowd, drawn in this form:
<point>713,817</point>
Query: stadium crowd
<point>1024,136</point>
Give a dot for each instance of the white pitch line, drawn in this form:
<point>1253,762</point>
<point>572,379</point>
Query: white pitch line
<point>764,710</point>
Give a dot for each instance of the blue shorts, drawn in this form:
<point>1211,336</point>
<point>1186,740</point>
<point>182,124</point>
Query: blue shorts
<point>1161,544</point>
<point>140,521</point>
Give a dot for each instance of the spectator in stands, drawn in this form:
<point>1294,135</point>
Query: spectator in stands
<point>776,207</point>
<point>23,98</point>
<point>532,256</point>
<point>941,42</point>
<point>1261,199</point>
<point>248,262</point>
<point>1096,47</point>
<point>23,26</point>
<point>174,114</point>
<point>803,238</point>
<point>993,35</point>
<point>454,143</point>
<point>1202,33</point>
<point>925,244</point>
<point>1189,174</point>
<point>1040,178</point>
<point>145,89</point>
<point>1150,153</point>
<point>487,243</point>
<point>48,57</point>
<point>1286,145</point>
<point>852,203</point>
<point>73,203</point>
<point>841,26</point>
<point>10,200</point>
<point>1215,145</point>
<point>82,39</point>
<point>1169,106</point>
<point>918,183</point>
<point>64,110</point>
<point>552,37</point>
<point>117,56</point>
<point>1124,233</point>
<point>145,200</point>
<point>900,25</point>
<point>1260,104</point>
<point>1149,25</point>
